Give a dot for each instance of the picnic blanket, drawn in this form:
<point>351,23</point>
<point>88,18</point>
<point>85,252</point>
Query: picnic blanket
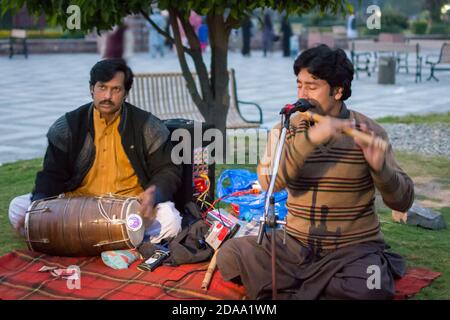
<point>20,278</point>
<point>415,280</point>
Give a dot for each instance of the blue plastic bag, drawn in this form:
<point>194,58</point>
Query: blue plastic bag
<point>253,210</point>
<point>251,206</point>
<point>239,179</point>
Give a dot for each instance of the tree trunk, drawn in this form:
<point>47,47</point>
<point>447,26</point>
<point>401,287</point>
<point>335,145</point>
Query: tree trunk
<point>214,100</point>
<point>219,35</point>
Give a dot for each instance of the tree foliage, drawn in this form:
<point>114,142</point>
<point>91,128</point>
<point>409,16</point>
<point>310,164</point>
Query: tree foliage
<point>104,14</point>
<point>222,16</point>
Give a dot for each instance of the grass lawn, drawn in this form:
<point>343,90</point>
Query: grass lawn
<point>421,248</point>
<point>443,118</point>
<point>15,179</point>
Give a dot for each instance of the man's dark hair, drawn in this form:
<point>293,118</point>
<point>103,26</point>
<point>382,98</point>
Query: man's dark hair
<point>333,66</point>
<point>105,70</point>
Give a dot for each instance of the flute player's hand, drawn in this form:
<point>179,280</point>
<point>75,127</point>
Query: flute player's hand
<point>373,155</point>
<point>328,128</point>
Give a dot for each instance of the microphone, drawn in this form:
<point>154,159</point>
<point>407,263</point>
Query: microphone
<point>301,105</point>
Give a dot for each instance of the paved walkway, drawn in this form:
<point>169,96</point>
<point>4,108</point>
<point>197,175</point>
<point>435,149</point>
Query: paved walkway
<point>35,92</point>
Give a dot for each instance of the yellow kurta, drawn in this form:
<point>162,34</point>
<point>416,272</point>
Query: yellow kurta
<point>111,171</point>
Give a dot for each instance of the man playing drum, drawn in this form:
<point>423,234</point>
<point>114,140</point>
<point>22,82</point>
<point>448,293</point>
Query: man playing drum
<point>334,246</point>
<point>109,146</point>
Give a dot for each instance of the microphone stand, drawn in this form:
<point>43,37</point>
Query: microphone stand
<point>270,218</point>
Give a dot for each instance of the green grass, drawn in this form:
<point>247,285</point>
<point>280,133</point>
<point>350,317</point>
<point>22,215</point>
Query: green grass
<point>443,118</point>
<point>422,197</point>
<point>46,34</point>
<point>416,165</point>
<point>15,179</point>
<point>420,247</point>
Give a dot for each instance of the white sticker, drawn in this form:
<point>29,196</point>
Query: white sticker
<point>134,222</point>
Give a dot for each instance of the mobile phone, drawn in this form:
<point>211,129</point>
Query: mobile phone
<point>154,261</point>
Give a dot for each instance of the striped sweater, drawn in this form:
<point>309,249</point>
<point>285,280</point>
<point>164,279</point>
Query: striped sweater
<point>331,188</point>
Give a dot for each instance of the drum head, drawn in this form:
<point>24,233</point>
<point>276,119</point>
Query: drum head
<point>134,223</point>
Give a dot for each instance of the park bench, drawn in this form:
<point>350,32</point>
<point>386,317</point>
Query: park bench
<point>166,96</point>
<point>363,51</point>
<point>428,44</point>
<point>18,37</point>
<point>442,63</point>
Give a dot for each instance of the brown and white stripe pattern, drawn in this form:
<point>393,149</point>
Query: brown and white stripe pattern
<point>332,188</point>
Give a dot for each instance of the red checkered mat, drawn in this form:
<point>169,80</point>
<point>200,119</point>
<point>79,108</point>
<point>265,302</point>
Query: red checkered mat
<point>20,278</point>
<point>415,280</point>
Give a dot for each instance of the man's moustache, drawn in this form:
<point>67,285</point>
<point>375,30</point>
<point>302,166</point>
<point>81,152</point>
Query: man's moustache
<point>316,107</point>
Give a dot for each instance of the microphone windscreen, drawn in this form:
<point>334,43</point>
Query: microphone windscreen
<point>303,105</point>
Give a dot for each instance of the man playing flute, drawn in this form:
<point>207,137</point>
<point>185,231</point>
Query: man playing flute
<point>334,245</point>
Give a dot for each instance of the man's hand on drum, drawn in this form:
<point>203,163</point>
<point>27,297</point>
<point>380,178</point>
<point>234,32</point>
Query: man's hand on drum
<point>147,209</point>
<point>20,229</point>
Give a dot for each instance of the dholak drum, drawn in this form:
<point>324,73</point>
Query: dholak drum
<point>83,226</point>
